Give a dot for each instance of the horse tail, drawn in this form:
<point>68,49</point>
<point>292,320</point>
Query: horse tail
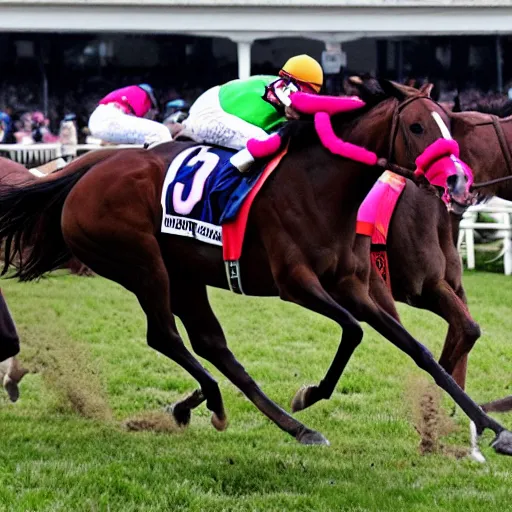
<point>30,219</point>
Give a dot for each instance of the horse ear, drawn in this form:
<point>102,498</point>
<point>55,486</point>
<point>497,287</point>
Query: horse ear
<point>355,80</point>
<point>368,88</point>
<point>426,89</point>
<point>394,90</point>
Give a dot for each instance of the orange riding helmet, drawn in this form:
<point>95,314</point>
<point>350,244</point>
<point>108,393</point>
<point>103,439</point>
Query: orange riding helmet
<point>304,70</point>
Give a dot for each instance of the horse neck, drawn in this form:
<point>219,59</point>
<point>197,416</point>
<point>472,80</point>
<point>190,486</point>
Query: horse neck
<point>504,190</point>
<point>340,185</point>
<point>480,148</point>
<point>371,130</point>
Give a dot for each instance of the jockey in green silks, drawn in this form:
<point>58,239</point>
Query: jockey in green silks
<point>243,111</point>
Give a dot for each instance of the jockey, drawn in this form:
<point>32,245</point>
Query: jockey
<point>232,114</point>
<point>122,117</point>
<point>176,110</point>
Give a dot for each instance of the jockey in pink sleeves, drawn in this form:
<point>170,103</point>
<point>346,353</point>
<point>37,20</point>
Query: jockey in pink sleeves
<point>122,117</point>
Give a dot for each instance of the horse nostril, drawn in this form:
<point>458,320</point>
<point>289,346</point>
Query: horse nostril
<point>451,181</point>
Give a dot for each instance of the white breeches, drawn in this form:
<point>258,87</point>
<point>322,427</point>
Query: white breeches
<point>111,124</point>
<point>208,123</point>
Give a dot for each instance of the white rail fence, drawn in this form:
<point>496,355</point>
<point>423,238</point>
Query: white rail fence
<point>32,155</point>
<point>500,211</point>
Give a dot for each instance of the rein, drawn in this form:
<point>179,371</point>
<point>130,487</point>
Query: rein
<point>505,149</point>
<point>395,124</point>
<point>386,164</point>
<point>337,146</point>
<point>490,182</point>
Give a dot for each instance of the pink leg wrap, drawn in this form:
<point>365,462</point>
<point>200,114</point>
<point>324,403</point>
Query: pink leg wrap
<point>263,148</point>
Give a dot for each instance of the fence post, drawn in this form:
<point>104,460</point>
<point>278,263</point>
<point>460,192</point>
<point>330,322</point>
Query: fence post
<point>507,247</point>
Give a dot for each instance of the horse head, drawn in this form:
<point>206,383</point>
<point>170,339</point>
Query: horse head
<point>485,141</point>
<point>419,137</point>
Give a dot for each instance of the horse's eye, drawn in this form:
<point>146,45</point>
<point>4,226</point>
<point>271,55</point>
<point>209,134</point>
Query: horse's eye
<point>416,128</point>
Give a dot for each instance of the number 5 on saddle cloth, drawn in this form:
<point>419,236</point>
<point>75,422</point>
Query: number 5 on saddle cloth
<point>206,198</point>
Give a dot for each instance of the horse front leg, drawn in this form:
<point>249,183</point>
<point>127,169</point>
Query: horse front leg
<point>463,332</point>
<point>299,284</point>
<point>309,395</point>
<point>396,334</point>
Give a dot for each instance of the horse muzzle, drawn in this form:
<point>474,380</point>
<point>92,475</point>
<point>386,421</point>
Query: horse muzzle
<point>441,166</point>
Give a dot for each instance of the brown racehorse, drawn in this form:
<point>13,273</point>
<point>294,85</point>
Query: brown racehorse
<point>429,277</point>
<point>493,135</point>
<point>11,173</point>
<point>300,244</point>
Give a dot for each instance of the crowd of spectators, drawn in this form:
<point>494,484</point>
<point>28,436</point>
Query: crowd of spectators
<point>22,120</point>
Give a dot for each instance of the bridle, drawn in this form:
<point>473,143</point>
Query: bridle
<point>430,164</point>
<point>452,204</point>
<point>505,148</point>
<point>395,123</point>
<point>505,151</point>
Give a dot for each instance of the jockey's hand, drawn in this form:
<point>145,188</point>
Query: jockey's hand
<point>175,129</point>
<point>291,113</point>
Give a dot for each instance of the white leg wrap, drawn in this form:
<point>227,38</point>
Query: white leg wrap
<point>476,454</point>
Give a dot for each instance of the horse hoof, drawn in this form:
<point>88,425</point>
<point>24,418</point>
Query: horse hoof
<point>303,398</point>
<point>312,437</point>
<point>218,423</point>
<point>477,456</point>
<point>12,389</point>
<point>503,443</point>
<point>181,415</point>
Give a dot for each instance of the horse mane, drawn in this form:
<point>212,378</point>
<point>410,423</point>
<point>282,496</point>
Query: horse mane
<point>302,133</point>
<point>501,107</point>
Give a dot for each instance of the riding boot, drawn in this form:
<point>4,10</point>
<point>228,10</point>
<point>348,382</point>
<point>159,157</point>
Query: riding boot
<point>256,149</point>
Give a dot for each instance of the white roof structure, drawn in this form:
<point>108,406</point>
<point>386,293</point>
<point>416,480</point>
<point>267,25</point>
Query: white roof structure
<point>245,21</point>
<point>337,20</point>
<point>272,3</point>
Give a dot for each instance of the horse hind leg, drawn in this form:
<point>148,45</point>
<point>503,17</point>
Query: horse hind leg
<point>209,342</point>
<point>135,262</point>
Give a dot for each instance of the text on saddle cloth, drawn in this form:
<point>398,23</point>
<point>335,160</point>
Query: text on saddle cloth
<point>202,191</point>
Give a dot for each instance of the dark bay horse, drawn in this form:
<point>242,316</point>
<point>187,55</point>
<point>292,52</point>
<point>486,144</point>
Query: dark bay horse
<point>429,276</point>
<point>15,174</point>
<point>489,130</point>
<point>425,267</point>
<point>300,245</point>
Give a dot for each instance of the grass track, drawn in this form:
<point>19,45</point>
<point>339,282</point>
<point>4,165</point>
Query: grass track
<point>53,459</point>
